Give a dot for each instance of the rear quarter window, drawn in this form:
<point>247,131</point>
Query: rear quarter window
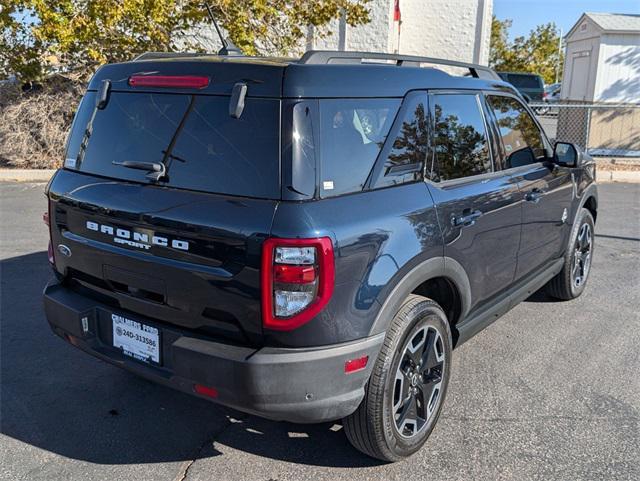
<point>352,133</point>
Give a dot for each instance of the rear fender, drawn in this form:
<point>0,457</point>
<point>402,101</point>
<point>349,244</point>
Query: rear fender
<point>430,269</point>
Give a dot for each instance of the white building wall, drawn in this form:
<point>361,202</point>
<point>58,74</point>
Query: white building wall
<point>451,29</point>
<point>373,36</point>
<point>618,75</point>
<point>455,30</point>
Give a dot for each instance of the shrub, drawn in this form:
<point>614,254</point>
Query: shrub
<point>35,122</point>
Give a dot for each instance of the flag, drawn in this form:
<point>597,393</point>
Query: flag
<point>396,11</point>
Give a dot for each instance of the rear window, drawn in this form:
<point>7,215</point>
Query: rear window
<point>203,147</point>
<point>525,81</point>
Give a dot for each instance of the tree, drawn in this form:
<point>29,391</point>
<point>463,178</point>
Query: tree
<point>537,53</point>
<point>79,35</point>
<point>19,51</point>
<point>499,52</point>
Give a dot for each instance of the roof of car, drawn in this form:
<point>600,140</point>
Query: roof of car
<point>374,81</point>
<point>316,75</point>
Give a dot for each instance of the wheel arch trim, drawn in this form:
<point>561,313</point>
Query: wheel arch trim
<point>445,267</point>
<point>591,192</point>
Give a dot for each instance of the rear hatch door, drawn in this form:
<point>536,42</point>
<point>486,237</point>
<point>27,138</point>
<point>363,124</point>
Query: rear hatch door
<point>184,250</point>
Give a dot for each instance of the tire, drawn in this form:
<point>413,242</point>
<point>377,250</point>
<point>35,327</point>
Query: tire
<point>375,428</point>
<point>577,260</point>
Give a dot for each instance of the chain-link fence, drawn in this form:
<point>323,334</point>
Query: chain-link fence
<point>600,129</point>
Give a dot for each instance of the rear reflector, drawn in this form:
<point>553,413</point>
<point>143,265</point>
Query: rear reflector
<point>205,390</point>
<point>354,365</point>
<point>166,81</point>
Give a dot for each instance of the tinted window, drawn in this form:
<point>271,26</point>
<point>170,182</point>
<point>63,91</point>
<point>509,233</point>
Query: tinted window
<point>460,139</point>
<point>351,135</point>
<point>218,153</point>
<point>406,154</point>
<point>525,81</point>
<point>212,152</point>
<point>302,146</point>
<point>520,135</point>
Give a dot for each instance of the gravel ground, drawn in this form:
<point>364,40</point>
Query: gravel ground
<point>549,391</point>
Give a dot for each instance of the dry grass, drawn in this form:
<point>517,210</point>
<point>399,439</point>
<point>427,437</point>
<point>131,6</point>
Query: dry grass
<point>34,124</point>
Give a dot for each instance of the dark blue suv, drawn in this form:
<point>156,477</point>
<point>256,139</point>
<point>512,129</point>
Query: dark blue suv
<point>307,240</point>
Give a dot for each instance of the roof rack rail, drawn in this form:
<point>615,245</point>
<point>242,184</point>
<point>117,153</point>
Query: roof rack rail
<point>323,57</point>
<point>159,55</point>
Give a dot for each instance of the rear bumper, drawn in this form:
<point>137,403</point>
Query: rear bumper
<point>299,385</point>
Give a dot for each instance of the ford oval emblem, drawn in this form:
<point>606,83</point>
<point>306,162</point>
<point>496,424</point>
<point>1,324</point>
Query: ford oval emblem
<point>64,250</point>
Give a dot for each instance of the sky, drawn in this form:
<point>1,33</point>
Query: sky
<point>527,14</point>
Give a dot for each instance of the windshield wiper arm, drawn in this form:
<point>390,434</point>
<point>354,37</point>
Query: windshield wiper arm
<point>157,170</point>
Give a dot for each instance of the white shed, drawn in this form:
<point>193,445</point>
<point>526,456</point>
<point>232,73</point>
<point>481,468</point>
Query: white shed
<point>602,59</point>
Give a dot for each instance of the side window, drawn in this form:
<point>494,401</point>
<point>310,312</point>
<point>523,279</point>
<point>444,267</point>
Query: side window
<point>406,151</point>
<point>352,133</point>
<point>520,135</point>
<point>459,138</point>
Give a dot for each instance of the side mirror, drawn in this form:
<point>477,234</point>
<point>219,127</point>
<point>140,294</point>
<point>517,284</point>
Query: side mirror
<point>565,154</point>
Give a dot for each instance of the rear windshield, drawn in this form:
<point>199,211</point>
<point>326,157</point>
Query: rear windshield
<point>202,146</point>
<point>525,81</point>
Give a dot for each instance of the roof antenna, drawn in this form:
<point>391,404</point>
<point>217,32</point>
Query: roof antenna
<point>228,48</point>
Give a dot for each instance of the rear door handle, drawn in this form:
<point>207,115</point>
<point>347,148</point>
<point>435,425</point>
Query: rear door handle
<point>533,195</point>
<point>466,220</point>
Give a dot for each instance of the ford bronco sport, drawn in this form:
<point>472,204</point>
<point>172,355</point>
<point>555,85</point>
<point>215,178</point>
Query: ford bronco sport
<point>307,240</point>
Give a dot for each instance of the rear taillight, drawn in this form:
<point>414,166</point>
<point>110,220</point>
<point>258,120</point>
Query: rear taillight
<point>168,81</point>
<point>297,280</point>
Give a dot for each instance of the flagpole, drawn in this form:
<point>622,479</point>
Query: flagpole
<point>559,56</point>
<point>397,18</point>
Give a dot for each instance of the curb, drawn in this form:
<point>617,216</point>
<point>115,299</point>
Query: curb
<point>26,175</point>
<point>43,175</point>
<point>617,175</point>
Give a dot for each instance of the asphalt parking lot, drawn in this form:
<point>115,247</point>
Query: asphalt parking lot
<point>549,391</point>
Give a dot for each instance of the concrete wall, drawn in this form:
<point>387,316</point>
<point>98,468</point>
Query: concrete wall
<point>454,29</point>
<point>618,78</point>
<point>374,36</point>
<point>457,30</point>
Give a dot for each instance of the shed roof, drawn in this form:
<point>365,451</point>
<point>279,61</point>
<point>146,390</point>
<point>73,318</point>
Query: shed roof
<point>611,22</point>
<point>627,22</point>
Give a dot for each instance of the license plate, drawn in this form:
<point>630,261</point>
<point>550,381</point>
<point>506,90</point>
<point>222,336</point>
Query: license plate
<point>135,339</point>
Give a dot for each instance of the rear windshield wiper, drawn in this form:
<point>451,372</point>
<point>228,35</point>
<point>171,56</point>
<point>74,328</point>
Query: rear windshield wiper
<point>157,170</point>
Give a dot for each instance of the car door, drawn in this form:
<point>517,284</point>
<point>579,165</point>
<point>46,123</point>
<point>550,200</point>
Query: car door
<point>477,206</point>
<point>546,189</point>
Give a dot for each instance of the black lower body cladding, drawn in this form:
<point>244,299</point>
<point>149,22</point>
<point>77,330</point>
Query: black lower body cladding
<point>304,385</point>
